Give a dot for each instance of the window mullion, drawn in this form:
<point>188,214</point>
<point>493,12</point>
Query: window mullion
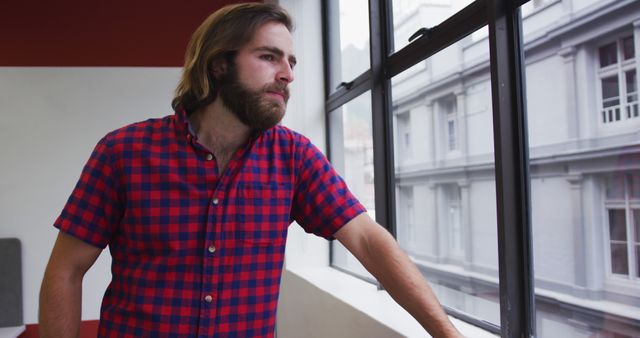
<point>382,123</point>
<point>517,309</point>
<point>622,81</point>
<point>631,239</point>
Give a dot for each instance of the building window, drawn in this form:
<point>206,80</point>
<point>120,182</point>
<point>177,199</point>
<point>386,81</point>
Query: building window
<point>403,125</point>
<point>449,110</point>
<point>618,80</point>
<point>408,217</point>
<point>454,224</point>
<point>623,217</point>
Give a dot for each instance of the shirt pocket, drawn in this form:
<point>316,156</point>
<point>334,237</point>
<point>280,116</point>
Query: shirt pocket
<point>263,213</point>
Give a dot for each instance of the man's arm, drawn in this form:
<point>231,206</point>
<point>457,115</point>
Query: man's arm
<point>381,255</point>
<point>61,291</point>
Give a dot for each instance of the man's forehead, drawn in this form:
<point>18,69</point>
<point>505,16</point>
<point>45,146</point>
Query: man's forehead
<point>272,34</point>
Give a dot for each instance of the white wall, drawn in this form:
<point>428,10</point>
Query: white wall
<point>553,230</point>
<point>479,120</point>
<point>547,111</point>
<point>484,225</point>
<point>51,120</point>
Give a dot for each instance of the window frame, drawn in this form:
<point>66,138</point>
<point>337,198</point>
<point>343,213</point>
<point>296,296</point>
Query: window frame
<point>503,18</point>
<point>618,70</point>
<point>628,205</point>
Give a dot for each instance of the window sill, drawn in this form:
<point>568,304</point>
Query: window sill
<point>13,331</point>
<point>376,304</point>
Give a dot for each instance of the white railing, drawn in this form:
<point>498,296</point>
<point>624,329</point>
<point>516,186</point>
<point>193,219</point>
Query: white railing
<point>611,114</point>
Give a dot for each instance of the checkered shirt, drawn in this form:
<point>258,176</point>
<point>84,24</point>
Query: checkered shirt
<point>195,252</point>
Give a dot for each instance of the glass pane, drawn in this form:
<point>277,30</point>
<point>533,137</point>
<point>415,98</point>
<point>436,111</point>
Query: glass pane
<point>638,260</point>
<point>634,188</point>
<point>632,86</point>
<point>632,93</point>
<point>615,187</point>
<point>411,15</point>
<point>445,207</point>
<point>581,249</point>
<point>351,143</point>
<point>452,134</point>
<point>619,259</point>
<point>610,89</point>
<point>608,55</point>
<point>627,48</point>
<point>617,225</point>
<point>349,44</point>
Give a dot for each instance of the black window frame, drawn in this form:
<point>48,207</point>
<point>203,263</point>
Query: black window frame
<point>517,308</point>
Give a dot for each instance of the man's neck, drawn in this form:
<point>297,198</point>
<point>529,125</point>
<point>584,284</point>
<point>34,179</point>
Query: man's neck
<point>220,131</point>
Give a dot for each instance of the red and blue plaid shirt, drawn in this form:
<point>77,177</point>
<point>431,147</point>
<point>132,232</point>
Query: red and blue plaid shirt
<point>195,252</point>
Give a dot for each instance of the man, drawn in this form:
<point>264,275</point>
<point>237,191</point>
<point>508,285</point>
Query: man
<point>195,206</point>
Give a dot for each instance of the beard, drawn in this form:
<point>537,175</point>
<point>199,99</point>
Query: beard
<point>253,107</point>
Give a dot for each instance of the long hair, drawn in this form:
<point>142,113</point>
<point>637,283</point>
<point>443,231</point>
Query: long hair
<point>218,39</point>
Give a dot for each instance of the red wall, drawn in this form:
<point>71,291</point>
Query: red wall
<point>150,33</point>
<point>88,329</point>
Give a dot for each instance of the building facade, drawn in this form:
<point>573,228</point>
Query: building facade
<point>581,69</point>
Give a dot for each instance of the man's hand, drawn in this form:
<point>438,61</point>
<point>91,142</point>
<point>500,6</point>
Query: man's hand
<point>61,291</point>
<point>381,255</point>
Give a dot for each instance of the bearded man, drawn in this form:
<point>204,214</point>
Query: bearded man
<point>195,206</point>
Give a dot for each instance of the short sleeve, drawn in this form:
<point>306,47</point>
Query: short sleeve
<point>322,201</point>
<point>94,210</point>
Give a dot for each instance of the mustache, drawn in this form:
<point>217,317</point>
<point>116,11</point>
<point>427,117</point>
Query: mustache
<point>278,87</point>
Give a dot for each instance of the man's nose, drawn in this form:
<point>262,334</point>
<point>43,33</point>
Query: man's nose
<point>286,72</point>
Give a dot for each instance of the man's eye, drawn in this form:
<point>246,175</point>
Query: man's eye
<point>268,57</point>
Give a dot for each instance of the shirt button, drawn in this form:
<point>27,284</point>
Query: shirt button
<point>212,249</point>
<point>215,201</point>
<point>209,157</point>
<point>208,298</point>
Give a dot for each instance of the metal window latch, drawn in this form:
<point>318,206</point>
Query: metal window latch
<point>346,85</point>
<point>420,32</point>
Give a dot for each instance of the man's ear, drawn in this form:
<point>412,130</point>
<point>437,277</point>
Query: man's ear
<point>220,67</point>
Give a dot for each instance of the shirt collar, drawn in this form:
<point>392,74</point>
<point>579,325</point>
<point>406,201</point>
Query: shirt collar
<point>183,125</point>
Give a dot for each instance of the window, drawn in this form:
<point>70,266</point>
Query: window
<point>403,126</point>
<point>454,222</point>
<point>350,36</point>
<point>580,101</point>
<point>623,217</point>
<point>410,15</point>
<point>608,55</point>
<point>618,81</point>
<point>628,51</point>
<point>432,134</point>
<point>632,93</point>
<point>449,111</point>
<point>472,222</point>
<point>351,148</point>
<point>441,229</point>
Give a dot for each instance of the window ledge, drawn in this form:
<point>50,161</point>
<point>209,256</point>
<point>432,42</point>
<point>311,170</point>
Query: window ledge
<point>377,304</point>
<point>13,331</point>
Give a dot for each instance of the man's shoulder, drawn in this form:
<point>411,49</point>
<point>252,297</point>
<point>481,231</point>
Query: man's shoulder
<point>140,130</point>
<point>285,133</point>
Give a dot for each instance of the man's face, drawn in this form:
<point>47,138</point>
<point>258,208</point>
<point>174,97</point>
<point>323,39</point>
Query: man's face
<point>255,87</point>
